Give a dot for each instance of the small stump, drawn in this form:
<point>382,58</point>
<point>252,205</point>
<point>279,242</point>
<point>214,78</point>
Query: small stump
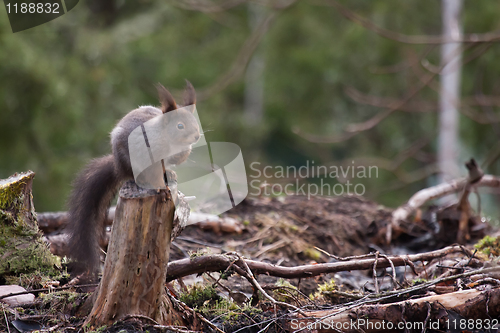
<point>22,248</point>
<point>136,263</point>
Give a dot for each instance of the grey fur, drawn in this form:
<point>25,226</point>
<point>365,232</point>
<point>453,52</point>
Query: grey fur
<point>98,182</point>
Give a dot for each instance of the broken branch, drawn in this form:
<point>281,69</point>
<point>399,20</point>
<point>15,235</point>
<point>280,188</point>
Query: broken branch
<point>214,263</point>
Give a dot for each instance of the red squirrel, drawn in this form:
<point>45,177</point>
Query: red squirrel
<point>96,185</point>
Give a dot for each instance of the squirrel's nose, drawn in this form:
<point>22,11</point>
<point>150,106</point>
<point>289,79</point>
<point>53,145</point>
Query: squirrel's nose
<point>197,137</point>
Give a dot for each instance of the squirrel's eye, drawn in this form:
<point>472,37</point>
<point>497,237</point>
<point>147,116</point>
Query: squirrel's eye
<point>180,126</point>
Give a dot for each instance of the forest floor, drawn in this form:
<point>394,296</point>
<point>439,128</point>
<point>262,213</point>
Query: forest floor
<point>288,232</point>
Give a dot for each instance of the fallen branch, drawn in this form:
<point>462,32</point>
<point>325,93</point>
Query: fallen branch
<point>421,197</point>
<point>50,222</point>
<point>53,221</point>
<point>215,263</point>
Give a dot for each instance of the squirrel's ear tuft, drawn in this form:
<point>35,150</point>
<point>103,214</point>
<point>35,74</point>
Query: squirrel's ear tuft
<point>189,94</point>
<point>166,99</point>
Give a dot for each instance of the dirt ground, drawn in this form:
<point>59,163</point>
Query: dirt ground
<point>343,226</point>
<point>292,231</point>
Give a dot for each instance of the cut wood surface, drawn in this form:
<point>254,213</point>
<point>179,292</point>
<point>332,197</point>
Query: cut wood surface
<point>136,262</point>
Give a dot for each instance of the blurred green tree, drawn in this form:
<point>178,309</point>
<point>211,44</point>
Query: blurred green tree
<point>66,83</point>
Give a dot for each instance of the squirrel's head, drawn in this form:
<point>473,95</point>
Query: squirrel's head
<point>182,125</point>
<point>167,101</point>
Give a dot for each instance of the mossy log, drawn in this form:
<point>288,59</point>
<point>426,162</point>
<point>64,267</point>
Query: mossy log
<point>22,249</point>
<point>136,263</point>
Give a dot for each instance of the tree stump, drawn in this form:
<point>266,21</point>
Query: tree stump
<point>136,263</point>
<point>22,249</point>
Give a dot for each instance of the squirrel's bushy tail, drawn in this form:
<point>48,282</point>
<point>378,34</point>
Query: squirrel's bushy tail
<point>93,190</point>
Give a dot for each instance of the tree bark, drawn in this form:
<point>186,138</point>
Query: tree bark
<point>136,263</point>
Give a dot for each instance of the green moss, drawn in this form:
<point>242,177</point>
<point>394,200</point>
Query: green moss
<point>325,290</point>
<point>33,280</point>
<point>64,301</point>
<point>11,193</point>
<point>418,281</point>
<point>287,293</point>
<point>199,253</point>
<point>231,317</point>
<point>99,329</point>
<point>226,274</point>
<point>21,247</point>
<point>198,295</point>
<point>12,200</point>
<point>250,310</point>
<point>206,301</point>
<point>328,286</point>
<point>6,217</point>
<point>312,254</point>
<point>22,255</point>
<point>226,309</point>
<point>229,313</point>
<point>489,246</point>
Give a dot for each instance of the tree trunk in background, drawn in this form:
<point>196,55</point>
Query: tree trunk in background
<point>254,78</point>
<point>451,61</point>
